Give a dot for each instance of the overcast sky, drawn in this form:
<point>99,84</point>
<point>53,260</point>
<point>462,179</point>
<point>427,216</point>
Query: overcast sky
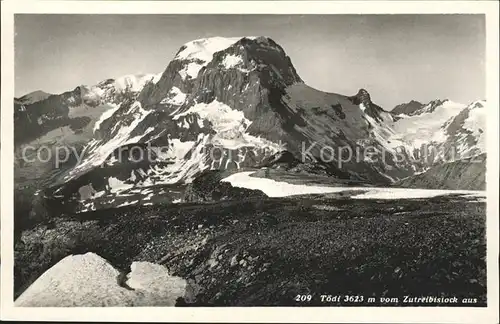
<point>397,58</point>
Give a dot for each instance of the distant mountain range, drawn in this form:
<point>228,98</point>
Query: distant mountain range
<point>242,99</point>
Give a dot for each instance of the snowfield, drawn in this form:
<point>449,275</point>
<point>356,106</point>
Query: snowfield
<point>175,97</point>
<point>231,61</point>
<point>421,129</point>
<point>200,52</point>
<point>274,188</point>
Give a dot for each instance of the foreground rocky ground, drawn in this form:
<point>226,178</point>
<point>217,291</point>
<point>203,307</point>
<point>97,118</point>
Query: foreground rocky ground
<point>267,251</point>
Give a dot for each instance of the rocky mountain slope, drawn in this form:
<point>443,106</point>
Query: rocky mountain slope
<point>408,108</point>
<point>38,113</point>
<point>65,121</point>
<point>32,97</point>
<point>465,174</point>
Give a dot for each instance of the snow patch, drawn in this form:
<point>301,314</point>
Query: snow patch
<point>179,149</point>
<point>175,97</point>
<point>116,185</point>
<point>191,70</point>
<point>99,151</point>
<point>231,61</point>
<point>107,114</point>
<point>273,188</point>
<point>223,117</point>
<point>134,83</point>
<point>229,124</point>
<point>476,122</point>
<point>128,203</point>
<point>156,78</point>
<point>88,281</point>
<point>403,193</point>
<point>145,275</point>
<point>200,52</point>
<point>203,49</point>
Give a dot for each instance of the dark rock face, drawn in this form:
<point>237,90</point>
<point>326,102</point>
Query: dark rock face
<point>208,187</point>
<point>413,107</point>
<point>371,109</point>
<point>285,160</point>
<point>364,97</point>
<point>38,118</point>
<point>255,87</point>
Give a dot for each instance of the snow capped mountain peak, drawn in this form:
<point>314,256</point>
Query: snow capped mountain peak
<point>134,82</point>
<point>456,129</point>
<point>203,49</point>
<point>112,90</point>
<point>414,108</point>
<point>131,82</point>
<point>408,109</point>
<point>478,104</point>
<point>200,52</point>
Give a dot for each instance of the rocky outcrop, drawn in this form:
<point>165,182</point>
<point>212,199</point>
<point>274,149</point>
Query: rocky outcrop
<point>283,159</point>
<point>409,108</point>
<point>208,188</point>
<point>286,161</point>
<point>414,108</point>
<point>362,97</point>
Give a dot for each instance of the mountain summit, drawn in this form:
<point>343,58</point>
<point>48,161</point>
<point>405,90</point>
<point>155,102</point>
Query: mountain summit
<point>243,96</point>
